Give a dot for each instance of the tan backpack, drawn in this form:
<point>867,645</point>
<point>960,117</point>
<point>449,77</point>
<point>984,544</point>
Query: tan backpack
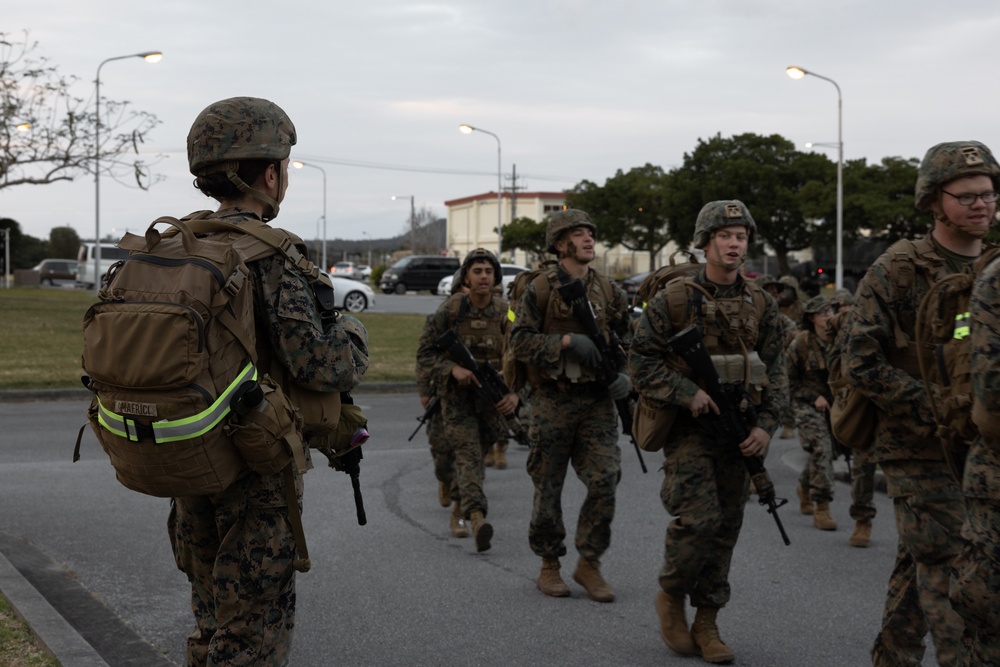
<point>658,279</point>
<point>180,406</point>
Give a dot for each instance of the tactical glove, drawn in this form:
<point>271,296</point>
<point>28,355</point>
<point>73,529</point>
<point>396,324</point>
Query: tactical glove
<point>620,388</point>
<point>585,351</point>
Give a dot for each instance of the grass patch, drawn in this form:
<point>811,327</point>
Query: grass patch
<point>17,644</point>
<point>41,337</point>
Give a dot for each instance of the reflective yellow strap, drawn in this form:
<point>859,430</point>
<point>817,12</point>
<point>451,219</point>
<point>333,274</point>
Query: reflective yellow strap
<point>961,325</point>
<point>178,429</point>
<point>510,315</point>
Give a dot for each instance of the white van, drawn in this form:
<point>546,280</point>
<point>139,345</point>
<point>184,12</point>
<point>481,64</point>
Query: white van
<point>85,261</point>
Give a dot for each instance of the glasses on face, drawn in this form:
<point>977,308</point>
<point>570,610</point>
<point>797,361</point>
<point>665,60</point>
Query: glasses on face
<point>969,199</point>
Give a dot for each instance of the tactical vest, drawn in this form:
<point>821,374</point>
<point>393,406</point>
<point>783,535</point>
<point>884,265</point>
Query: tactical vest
<point>481,330</point>
<point>558,319</point>
<point>731,328</point>
<point>810,354</point>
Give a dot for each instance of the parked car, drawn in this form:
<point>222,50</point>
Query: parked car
<point>51,270</point>
<point>632,283</point>
<point>417,272</point>
<point>346,270</point>
<point>508,271</point>
<point>352,295</point>
<point>85,262</point>
<point>364,271</point>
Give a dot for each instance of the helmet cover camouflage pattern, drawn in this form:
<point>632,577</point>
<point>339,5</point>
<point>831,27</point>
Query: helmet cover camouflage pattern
<point>719,214</point>
<point>948,161</point>
<point>764,279</point>
<point>790,281</point>
<point>815,304</point>
<point>479,255</point>
<point>238,128</point>
<point>842,298</point>
<point>562,221</point>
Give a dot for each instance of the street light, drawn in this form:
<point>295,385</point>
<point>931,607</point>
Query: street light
<point>413,213</point>
<point>369,247</point>
<point>23,127</point>
<point>469,129</point>
<point>299,165</point>
<point>798,73</point>
<point>149,57</point>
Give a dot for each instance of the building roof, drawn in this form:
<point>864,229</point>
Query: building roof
<point>491,195</point>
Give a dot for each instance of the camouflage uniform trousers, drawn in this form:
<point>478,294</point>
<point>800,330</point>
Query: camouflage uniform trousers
<point>975,585</point>
<point>705,488</point>
<point>929,510</point>
<point>472,427</point>
<point>816,439</point>
<point>862,488</point>
<point>442,452</point>
<point>236,548</point>
<point>578,426</point>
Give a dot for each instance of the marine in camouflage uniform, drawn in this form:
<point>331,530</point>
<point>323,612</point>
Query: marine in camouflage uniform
<point>442,451</point>
<point>473,425</point>
<point>862,470</point>
<point>880,356</point>
<point>573,418</point>
<point>706,484</point>
<point>975,584</point>
<point>786,294</point>
<point>811,400</point>
<point>236,547</point>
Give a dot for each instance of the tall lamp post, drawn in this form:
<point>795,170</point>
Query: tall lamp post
<point>298,165</point>
<point>413,212</point>
<point>469,129</point>
<point>369,247</point>
<point>149,57</point>
<point>798,73</point>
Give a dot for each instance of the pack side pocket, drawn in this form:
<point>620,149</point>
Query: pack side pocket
<point>268,435</point>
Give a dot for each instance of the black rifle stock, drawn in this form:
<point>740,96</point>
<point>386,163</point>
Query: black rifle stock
<point>575,294</point>
<point>732,426</point>
<point>432,407</point>
<point>491,384</point>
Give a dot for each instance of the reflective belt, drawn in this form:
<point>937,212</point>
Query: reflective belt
<point>510,314</point>
<point>178,429</point>
<point>961,325</point>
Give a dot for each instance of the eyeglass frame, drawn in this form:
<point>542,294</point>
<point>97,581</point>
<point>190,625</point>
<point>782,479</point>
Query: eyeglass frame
<point>982,195</point>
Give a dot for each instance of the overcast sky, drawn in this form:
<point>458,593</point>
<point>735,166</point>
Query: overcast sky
<point>575,89</point>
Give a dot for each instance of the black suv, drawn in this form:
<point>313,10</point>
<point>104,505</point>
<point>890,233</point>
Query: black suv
<point>417,272</point>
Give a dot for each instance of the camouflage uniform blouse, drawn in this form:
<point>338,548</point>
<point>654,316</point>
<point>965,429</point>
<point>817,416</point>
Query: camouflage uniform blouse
<point>807,370</point>
<point>982,468</point>
<point>656,380</point>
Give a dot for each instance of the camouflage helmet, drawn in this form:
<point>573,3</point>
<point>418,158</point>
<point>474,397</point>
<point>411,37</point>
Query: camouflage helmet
<point>718,214</point>
<point>815,304</point>
<point>790,281</point>
<point>565,220</point>
<point>479,255</point>
<point>842,298</point>
<point>238,128</point>
<point>764,279</point>
<point>948,161</point>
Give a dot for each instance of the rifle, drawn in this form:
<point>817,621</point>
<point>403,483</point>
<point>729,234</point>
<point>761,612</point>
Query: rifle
<point>491,384</point>
<point>432,407</point>
<point>343,448</point>
<point>575,294</point>
<point>732,425</point>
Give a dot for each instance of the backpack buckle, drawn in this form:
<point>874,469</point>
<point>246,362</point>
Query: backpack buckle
<point>236,281</point>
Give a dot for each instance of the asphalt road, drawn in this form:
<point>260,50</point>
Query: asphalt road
<point>401,591</point>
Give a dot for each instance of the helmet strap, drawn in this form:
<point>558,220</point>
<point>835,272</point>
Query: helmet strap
<point>270,205</point>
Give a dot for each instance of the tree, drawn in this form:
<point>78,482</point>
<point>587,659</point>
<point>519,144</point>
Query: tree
<point>631,209</point>
<point>424,233</point>
<point>49,135</point>
<point>64,242</point>
<point>25,250</point>
<point>765,173</point>
<point>525,234</point>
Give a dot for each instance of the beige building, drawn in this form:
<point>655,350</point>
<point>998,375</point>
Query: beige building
<point>472,223</point>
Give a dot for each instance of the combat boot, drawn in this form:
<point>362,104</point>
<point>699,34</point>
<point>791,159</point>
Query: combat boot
<point>488,459</point>
<point>482,531</point>
<point>444,494</point>
<point>805,505</point>
<point>822,518</point>
<point>458,527</point>
<point>862,536</point>
<point>705,636</point>
<point>549,581</point>
<point>588,575</point>
<point>673,624</point>
<point>500,459</point>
